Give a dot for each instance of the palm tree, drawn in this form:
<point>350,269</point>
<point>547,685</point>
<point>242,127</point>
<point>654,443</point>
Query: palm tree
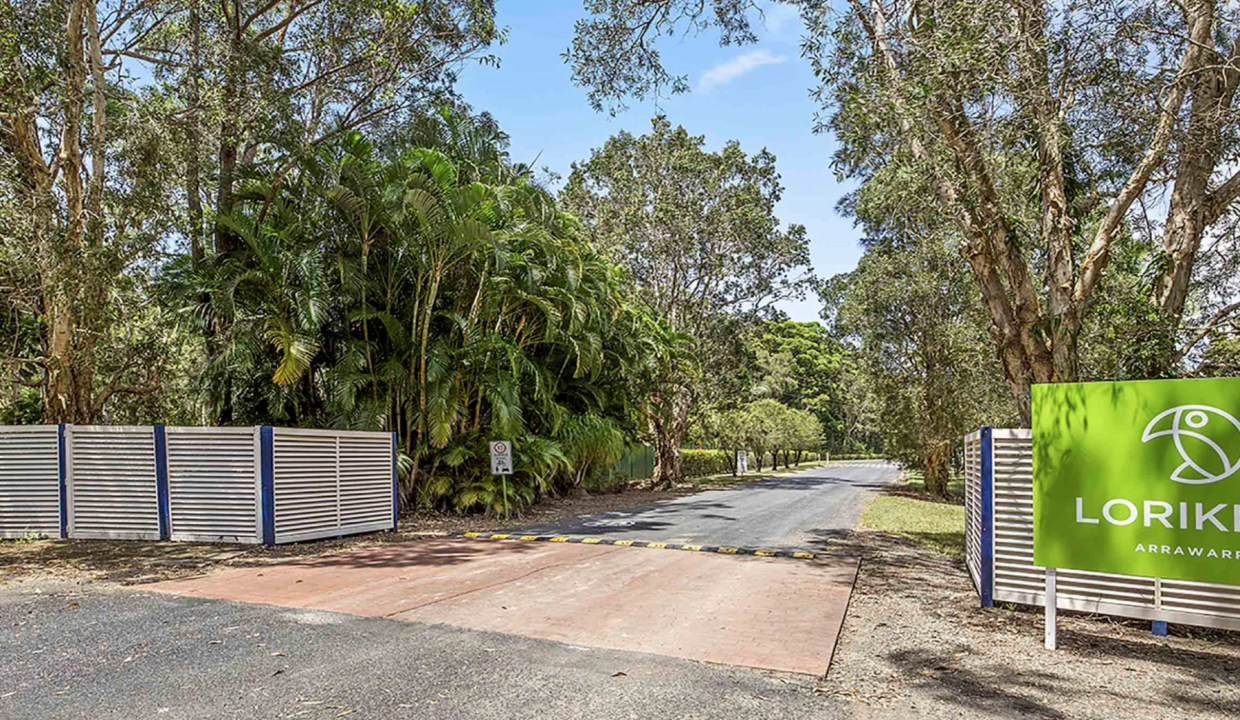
<point>439,293</point>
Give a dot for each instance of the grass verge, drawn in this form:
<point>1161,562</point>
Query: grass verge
<point>936,525</point>
<point>915,481</point>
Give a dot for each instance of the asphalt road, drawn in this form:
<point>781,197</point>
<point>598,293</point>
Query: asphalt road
<point>799,510</point>
<point>100,651</point>
<point>122,653</point>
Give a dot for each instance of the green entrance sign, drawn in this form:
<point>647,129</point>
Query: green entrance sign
<point>1138,478</point>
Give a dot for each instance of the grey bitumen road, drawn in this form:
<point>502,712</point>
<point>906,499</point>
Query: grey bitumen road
<point>799,510</point>
<point>85,651</point>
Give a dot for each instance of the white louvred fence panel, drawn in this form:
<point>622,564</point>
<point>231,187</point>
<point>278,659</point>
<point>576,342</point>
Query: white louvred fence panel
<point>329,483</point>
<point>1018,580</point>
<point>973,505</point>
<point>214,484</point>
<point>29,481</point>
<point>110,479</point>
<point>365,482</point>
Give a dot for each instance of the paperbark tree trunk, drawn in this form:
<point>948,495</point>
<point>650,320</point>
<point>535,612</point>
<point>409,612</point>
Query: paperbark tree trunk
<point>1037,344</point>
<point>1193,206</point>
<point>69,376</point>
<point>193,137</point>
<point>668,424</point>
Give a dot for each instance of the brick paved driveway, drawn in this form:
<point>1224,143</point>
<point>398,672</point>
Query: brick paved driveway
<point>771,613</point>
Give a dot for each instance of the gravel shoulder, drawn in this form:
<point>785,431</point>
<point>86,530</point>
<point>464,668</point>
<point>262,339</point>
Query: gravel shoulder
<point>916,644</point>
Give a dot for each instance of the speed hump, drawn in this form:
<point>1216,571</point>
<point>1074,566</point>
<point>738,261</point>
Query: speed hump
<point>501,457</point>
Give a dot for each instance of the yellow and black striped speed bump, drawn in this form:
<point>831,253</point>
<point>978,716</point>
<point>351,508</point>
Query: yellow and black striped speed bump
<point>723,549</point>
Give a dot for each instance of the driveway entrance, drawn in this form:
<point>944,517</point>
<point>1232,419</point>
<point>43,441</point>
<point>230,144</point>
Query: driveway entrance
<point>771,613</point>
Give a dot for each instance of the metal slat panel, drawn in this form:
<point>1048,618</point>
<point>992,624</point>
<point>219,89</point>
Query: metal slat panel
<point>305,479</point>
<point>111,482</point>
<point>330,483</point>
<point>973,505</point>
<point>366,480</point>
<point>29,481</point>
<point>213,484</point>
<point>1018,580</point>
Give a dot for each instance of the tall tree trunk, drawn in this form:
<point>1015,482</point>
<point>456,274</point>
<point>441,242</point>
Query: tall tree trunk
<point>230,131</point>
<point>1057,226</point>
<point>224,193</point>
<point>94,199</point>
<point>69,376</point>
<point>668,423</point>
<point>193,137</point>
<point>935,469</point>
<point>1192,209</point>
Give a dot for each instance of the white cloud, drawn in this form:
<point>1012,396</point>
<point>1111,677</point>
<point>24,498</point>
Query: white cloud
<point>777,16</point>
<point>727,72</point>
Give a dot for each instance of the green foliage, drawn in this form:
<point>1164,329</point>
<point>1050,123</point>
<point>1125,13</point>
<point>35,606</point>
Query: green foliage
<point>762,427</point>
<point>1222,357</point>
<point>802,365</point>
<point>925,370</point>
<point>439,294</point>
<point>700,463</point>
<point>613,53</point>
<point>129,129</point>
<point>698,233</point>
<point>591,442</point>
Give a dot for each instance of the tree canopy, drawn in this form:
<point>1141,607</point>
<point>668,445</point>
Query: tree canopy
<point>1040,141</point>
<point>698,232</point>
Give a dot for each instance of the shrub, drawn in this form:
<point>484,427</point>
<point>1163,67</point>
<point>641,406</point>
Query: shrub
<point>697,463</point>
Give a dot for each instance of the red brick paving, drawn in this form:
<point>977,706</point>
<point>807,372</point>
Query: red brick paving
<point>768,613</point>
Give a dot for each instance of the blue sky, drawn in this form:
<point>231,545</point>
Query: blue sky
<point>757,94</point>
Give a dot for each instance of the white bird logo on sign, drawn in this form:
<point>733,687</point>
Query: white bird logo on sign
<point>1194,421</point>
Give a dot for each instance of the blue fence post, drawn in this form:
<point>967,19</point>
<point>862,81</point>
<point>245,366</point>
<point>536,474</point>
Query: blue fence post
<point>161,483</point>
<point>267,467</point>
<point>395,493</point>
<point>64,490</point>
<point>988,518</point>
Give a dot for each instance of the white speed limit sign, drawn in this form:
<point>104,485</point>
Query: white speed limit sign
<point>501,457</point>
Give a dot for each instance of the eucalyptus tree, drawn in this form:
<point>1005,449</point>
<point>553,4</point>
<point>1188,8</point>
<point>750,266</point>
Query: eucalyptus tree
<point>77,256</point>
<point>803,365</point>
<point>262,84</point>
<point>698,232</point>
<point>1044,134</point>
<point>127,126</point>
<point>910,310</point>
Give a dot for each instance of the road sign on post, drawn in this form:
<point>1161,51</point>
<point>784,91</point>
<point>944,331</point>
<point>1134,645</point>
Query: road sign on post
<point>501,457</point>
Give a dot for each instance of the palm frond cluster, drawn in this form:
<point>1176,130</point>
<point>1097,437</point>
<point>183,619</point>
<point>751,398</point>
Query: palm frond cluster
<point>438,293</point>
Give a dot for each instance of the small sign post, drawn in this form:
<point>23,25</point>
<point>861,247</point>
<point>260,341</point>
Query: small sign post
<point>1052,607</point>
<point>501,464</point>
<point>501,457</point>
<point>742,462</point>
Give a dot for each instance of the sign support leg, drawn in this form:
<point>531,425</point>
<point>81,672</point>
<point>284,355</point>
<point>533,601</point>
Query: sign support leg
<point>1051,610</point>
